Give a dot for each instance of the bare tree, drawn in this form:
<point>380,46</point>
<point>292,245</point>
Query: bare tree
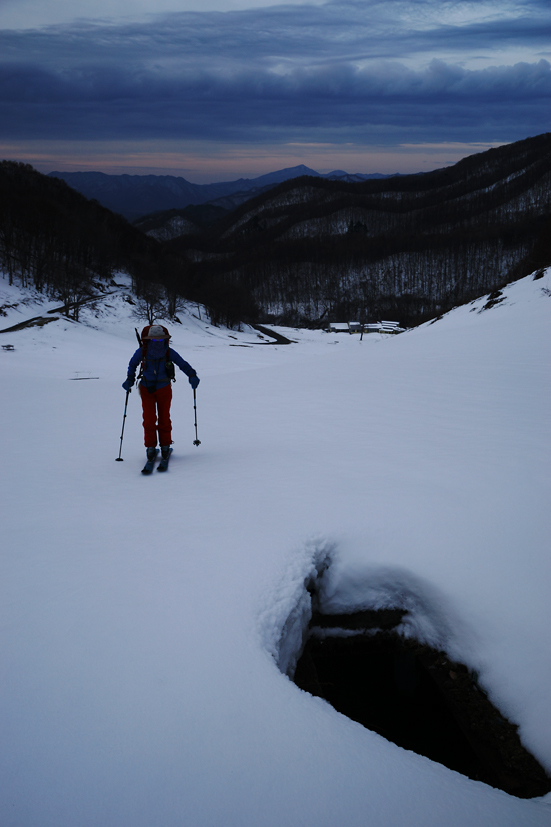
<point>150,303</point>
<point>174,304</point>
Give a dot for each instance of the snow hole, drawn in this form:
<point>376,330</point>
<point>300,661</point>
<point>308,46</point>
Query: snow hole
<point>379,658</point>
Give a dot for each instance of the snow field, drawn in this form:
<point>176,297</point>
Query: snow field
<point>143,617</point>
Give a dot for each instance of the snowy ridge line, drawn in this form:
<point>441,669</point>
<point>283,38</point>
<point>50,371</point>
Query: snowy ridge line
<point>502,297</point>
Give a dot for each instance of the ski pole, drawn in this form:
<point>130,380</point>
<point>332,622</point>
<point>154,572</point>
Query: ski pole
<point>195,441</point>
<point>119,458</point>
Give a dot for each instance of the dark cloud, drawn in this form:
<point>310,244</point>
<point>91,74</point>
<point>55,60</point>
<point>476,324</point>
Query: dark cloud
<point>287,73</point>
<point>344,29</point>
<point>323,102</point>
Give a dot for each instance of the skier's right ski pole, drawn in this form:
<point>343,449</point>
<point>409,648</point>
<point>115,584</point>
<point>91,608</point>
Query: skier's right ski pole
<point>119,458</point>
<point>195,441</point>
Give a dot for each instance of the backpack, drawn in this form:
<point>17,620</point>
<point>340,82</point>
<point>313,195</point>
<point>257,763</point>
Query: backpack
<point>144,343</point>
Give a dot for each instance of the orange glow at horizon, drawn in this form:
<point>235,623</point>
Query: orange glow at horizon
<point>208,162</point>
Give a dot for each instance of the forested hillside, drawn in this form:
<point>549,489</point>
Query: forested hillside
<point>55,239</point>
<point>408,247</point>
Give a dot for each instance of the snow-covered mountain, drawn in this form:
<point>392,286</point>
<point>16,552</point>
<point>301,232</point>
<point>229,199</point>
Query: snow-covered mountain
<point>147,623</point>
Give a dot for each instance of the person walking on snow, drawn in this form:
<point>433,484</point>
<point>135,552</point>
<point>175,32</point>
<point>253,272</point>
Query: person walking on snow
<point>157,360</point>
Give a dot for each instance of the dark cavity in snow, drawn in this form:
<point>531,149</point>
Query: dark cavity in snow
<point>415,697</point>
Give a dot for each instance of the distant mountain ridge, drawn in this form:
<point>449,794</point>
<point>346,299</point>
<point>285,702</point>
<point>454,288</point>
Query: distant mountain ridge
<point>134,196</point>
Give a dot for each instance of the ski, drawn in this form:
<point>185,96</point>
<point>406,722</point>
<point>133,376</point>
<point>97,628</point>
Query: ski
<point>163,465</point>
<point>149,465</point>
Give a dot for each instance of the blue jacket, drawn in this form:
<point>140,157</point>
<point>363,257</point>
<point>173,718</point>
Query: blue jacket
<point>154,373</point>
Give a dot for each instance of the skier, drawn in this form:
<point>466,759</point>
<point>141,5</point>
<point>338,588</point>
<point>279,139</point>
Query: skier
<point>156,373</point>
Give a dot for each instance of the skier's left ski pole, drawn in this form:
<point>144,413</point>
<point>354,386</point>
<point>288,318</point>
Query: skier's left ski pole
<point>119,458</point>
<point>195,441</point>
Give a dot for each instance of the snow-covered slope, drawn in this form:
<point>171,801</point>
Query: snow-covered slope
<point>143,619</point>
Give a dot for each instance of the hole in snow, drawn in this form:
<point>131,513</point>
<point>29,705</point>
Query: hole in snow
<point>368,666</point>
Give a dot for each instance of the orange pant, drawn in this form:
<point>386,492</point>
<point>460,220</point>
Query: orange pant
<point>156,416</point>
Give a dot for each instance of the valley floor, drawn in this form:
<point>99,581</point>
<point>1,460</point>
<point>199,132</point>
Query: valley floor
<point>148,622</point>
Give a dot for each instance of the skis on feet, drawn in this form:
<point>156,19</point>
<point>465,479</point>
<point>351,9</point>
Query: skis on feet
<point>163,465</point>
<point>150,464</point>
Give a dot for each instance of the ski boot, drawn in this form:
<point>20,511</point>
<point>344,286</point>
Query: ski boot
<point>166,451</point>
<point>151,457</point>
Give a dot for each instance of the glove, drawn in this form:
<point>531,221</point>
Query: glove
<point>194,381</point>
<point>128,384</point>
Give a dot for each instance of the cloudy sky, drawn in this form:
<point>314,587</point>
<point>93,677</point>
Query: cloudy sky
<point>219,89</point>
